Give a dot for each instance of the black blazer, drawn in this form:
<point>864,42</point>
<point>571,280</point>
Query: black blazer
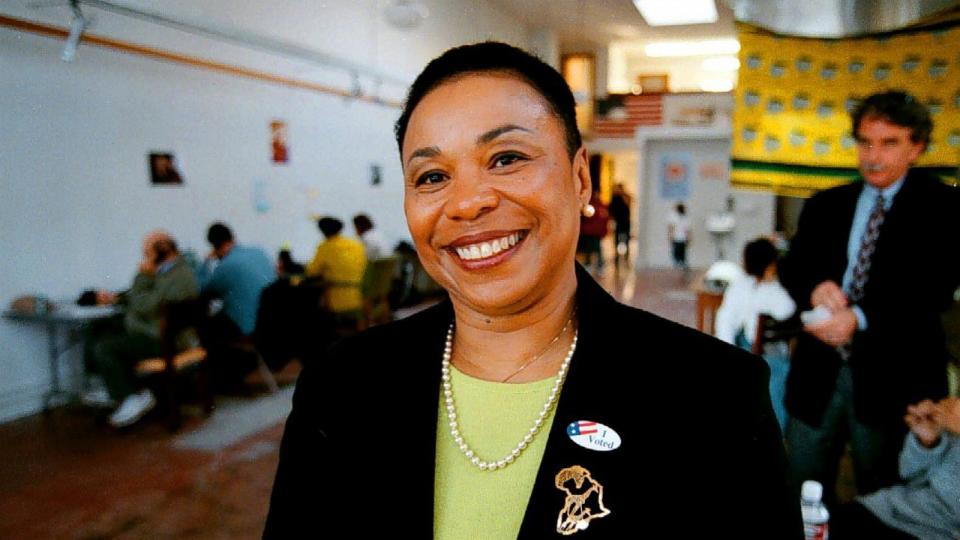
<point>701,452</point>
<point>901,357</point>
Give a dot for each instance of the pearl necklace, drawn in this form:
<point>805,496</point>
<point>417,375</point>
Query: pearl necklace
<point>527,439</point>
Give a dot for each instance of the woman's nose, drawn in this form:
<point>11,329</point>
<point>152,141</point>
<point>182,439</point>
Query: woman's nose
<point>470,197</point>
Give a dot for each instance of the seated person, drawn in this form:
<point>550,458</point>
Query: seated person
<point>339,263</point>
<point>237,275</point>
<point>759,293</point>
<point>373,243</point>
<point>927,506</point>
<point>163,277</point>
<point>287,268</point>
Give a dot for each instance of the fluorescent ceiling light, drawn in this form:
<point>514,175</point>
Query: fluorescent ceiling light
<point>708,47</point>
<point>674,12</point>
<point>721,63</point>
<point>716,85</point>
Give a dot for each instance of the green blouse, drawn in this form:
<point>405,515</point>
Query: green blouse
<point>493,417</point>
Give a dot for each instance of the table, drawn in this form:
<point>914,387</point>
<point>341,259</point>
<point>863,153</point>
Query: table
<point>61,316</point>
<point>708,302</point>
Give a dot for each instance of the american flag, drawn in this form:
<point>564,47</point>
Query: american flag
<point>581,428</point>
<point>641,110</point>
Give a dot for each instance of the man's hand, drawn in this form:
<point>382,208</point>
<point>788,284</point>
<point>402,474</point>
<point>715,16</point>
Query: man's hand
<point>947,414</point>
<point>106,298</point>
<point>836,330</point>
<point>829,294</point>
<point>147,266</point>
<point>920,418</point>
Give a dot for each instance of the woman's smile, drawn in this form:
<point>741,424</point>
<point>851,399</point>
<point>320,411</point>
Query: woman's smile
<point>486,249</point>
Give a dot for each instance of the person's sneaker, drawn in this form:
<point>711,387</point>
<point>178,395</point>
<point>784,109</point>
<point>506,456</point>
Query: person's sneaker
<point>98,398</point>
<point>133,408</point>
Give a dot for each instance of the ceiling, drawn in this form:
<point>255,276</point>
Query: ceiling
<point>586,23</point>
<point>617,34</point>
<point>597,23</point>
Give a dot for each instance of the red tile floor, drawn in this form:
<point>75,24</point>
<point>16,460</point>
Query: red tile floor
<point>66,476</point>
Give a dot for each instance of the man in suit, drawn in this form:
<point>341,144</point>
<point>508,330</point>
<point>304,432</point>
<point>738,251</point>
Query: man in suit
<point>878,261</point>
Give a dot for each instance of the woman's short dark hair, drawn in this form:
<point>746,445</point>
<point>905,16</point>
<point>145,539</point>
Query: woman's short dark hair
<point>493,57</point>
<point>362,222</point>
<point>329,226</point>
<point>758,255</point>
<point>900,108</point>
<point>219,234</point>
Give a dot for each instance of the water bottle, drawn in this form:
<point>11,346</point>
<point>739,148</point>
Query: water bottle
<point>815,514</point>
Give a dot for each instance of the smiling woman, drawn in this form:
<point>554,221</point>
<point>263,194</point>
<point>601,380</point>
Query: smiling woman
<point>516,408</point>
<point>494,177</point>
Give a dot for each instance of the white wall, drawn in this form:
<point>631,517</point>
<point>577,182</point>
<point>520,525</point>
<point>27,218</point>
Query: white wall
<point>75,197</point>
<point>755,212</point>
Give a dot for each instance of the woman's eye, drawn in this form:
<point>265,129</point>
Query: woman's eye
<point>504,160</point>
<point>430,178</point>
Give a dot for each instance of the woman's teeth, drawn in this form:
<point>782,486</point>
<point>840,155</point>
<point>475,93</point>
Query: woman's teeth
<point>482,250</point>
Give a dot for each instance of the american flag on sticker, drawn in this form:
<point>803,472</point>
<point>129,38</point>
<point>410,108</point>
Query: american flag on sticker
<point>581,428</point>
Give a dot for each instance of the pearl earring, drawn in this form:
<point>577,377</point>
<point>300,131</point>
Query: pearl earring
<point>588,210</point>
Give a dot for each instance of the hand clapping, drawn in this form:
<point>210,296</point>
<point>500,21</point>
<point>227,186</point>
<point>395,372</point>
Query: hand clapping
<point>838,329</point>
<point>927,420</point>
<point>829,294</point>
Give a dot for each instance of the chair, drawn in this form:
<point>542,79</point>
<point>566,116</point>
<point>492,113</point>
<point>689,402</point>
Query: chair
<point>375,292</point>
<point>246,345</point>
<point>180,355</point>
<point>709,299</point>
<point>770,330</point>
<point>377,283</point>
<point>773,342</point>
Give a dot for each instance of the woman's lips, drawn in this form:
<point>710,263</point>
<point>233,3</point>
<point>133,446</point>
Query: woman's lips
<point>485,250</point>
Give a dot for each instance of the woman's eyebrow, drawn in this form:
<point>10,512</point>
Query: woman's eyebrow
<point>498,131</point>
<point>433,151</point>
<point>425,152</point>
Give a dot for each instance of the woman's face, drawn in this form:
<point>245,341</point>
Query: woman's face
<point>491,196</point>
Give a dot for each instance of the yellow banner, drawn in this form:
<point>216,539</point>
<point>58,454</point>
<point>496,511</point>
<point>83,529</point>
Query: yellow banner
<point>795,95</point>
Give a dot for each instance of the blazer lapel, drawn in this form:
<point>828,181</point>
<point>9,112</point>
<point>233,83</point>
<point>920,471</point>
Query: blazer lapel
<point>845,212</point>
<point>579,401</point>
<point>415,394</point>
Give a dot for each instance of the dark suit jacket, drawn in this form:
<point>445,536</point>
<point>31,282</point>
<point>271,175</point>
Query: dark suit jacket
<point>701,451</point>
<point>915,268</point>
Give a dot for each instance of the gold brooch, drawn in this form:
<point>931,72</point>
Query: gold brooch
<point>584,501</point>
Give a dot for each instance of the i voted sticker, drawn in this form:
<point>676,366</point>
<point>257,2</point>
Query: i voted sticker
<point>593,435</point>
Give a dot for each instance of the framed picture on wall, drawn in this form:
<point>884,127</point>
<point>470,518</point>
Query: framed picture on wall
<point>675,176</point>
<point>653,83</point>
<point>163,169</point>
<point>279,153</point>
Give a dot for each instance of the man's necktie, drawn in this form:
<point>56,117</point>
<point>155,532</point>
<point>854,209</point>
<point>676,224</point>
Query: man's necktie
<point>861,271</point>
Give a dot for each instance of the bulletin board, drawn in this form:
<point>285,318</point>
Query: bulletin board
<point>791,121</point>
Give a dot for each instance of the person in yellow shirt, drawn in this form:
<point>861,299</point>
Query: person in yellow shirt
<point>339,263</point>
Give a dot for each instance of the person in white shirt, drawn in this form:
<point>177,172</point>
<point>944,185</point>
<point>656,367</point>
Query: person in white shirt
<point>678,232</point>
<point>373,243</point>
<point>758,293</point>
